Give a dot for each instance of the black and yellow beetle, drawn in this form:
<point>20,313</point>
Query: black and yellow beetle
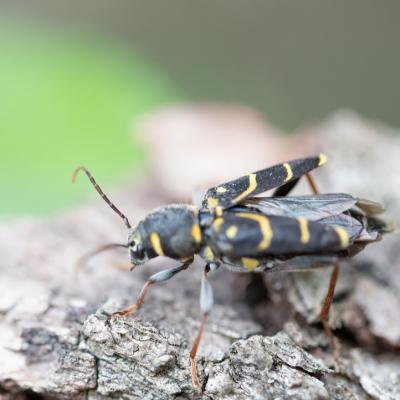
<point>254,234</point>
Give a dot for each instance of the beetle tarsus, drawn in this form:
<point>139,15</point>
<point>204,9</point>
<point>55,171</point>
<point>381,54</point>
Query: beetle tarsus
<point>139,302</point>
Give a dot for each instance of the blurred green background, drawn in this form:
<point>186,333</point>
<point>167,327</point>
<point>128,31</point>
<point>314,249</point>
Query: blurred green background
<point>74,76</point>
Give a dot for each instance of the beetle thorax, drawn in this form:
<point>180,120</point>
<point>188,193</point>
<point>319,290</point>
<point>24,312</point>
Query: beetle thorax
<point>172,231</point>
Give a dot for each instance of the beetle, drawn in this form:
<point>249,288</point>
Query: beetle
<point>233,228</point>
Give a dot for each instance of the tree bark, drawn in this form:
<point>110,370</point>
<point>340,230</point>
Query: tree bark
<point>263,340</point>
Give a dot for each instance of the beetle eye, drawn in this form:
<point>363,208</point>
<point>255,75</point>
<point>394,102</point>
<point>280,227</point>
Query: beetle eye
<point>137,251</point>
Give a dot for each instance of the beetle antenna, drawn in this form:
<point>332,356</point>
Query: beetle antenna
<point>86,257</point>
<point>100,192</point>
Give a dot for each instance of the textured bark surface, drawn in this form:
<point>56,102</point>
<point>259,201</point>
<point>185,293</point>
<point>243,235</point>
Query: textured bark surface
<point>263,340</point>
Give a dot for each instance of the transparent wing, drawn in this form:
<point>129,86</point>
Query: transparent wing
<point>312,207</point>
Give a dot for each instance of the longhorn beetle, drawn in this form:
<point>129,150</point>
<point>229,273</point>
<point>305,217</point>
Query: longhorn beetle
<point>253,234</point>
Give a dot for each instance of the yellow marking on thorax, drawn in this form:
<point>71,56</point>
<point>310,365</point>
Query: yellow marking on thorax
<point>217,224</point>
<point>322,159</point>
<point>251,188</point>
<point>304,231</point>
<point>288,171</point>
<point>212,202</point>
<point>156,243</point>
<point>265,228</point>
<point>208,253</point>
<point>221,189</point>
<point>218,211</point>
<point>196,233</point>
<point>250,263</point>
<point>343,236</point>
<point>231,231</point>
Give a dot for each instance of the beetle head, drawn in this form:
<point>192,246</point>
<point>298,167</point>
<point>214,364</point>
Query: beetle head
<point>137,252</point>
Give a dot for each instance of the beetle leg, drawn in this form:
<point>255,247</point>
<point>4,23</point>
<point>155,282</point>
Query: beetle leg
<point>193,368</point>
<point>324,316</point>
<point>311,183</point>
<point>161,276</point>
<point>206,304</point>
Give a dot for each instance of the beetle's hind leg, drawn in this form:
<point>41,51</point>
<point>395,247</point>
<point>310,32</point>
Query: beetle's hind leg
<point>324,316</point>
<point>311,183</point>
<point>206,304</point>
<point>161,276</point>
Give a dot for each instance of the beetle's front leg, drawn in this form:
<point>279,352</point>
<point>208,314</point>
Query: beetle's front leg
<point>206,304</point>
<point>161,276</point>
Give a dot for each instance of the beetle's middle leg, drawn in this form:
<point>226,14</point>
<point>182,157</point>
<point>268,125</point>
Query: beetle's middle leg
<point>206,304</point>
<point>324,315</point>
<point>161,276</point>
